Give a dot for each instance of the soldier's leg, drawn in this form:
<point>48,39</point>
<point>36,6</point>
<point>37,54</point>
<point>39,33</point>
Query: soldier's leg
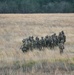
<point>40,47</point>
<point>61,51</point>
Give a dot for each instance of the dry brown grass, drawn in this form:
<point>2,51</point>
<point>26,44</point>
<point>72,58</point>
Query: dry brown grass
<point>15,27</point>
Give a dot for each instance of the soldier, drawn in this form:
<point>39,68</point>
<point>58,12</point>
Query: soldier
<point>42,42</point>
<point>47,41</point>
<point>36,39</point>
<point>61,37</point>
<point>51,42</point>
<point>64,37</point>
<point>33,42</point>
<point>24,48</point>
<point>55,40</point>
<point>38,43</point>
<point>29,44</point>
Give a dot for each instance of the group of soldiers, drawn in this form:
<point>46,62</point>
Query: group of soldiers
<point>47,41</point>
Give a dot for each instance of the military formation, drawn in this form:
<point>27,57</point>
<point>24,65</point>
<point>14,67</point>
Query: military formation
<point>52,41</point>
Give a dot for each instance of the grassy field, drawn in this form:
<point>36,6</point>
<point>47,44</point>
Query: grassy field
<point>15,27</point>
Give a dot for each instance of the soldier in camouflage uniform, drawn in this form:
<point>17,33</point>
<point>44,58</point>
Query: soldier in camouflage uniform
<point>47,41</point>
<point>62,37</point>
<point>42,42</point>
<point>38,43</point>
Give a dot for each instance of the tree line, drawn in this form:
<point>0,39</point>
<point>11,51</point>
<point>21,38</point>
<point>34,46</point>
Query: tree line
<point>36,6</point>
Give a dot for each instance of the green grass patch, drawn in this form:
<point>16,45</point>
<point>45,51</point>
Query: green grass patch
<point>29,64</point>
